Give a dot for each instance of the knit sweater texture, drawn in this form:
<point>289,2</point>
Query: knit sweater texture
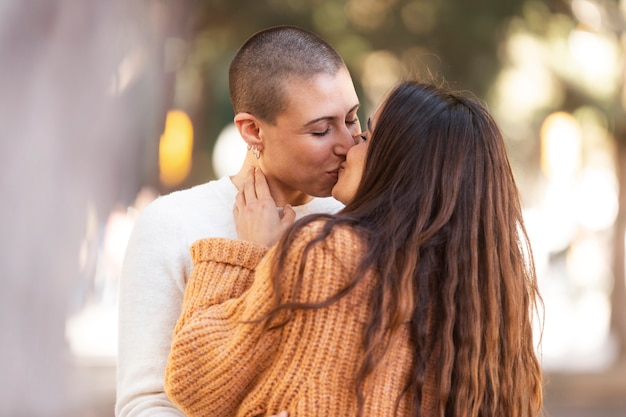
<point>224,364</point>
<point>156,268</point>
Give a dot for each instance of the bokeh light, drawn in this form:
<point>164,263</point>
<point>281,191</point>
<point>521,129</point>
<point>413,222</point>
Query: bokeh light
<point>595,201</point>
<point>87,87</point>
<point>175,148</point>
<point>595,56</point>
<point>381,70</point>
<point>229,151</point>
<point>525,84</point>
<point>561,145</point>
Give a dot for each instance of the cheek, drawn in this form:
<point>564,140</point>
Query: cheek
<point>317,154</point>
<point>358,153</point>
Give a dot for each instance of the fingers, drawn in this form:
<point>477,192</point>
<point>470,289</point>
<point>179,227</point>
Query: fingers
<point>260,185</point>
<point>257,218</point>
<point>288,216</point>
<point>240,200</point>
<point>255,186</point>
<point>249,186</point>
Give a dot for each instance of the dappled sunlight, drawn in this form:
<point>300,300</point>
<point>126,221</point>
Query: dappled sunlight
<point>109,104</point>
<point>368,14</point>
<point>595,201</point>
<point>587,12</point>
<point>571,208</point>
<point>330,17</point>
<point>575,334</point>
<point>574,283</point>
<point>558,220</point>
<point>568,229</point>
<point>91,328</point>
<point>132,66</point>
<point>175,148</point>
<point>419,17</point>
<point>521,92</point>
<point>588,261</point>
<point>571,202</point>
<point>92,333</point>
<point>525,84</point>
<point>597,64</point>
<point>229,151</point>
<point>381,70</point>
<point>561,146</point>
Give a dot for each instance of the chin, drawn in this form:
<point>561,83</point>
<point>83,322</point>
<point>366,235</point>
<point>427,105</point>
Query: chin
<point>339,197</point>
<point>321,193</point>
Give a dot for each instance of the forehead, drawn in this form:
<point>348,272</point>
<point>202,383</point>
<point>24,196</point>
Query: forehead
<point>322,95</point>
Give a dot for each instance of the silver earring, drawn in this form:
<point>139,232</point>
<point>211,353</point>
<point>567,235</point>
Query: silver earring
<point>256,152</point>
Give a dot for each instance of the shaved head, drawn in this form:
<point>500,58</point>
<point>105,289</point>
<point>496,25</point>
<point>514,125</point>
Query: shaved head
<point>270,58</point>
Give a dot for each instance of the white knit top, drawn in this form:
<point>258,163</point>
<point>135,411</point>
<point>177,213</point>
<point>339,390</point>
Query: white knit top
<point>156,268</point>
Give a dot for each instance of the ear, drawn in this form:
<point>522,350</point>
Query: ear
<point>249,128</point>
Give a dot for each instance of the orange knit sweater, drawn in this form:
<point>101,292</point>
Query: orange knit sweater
<point>222,366</point>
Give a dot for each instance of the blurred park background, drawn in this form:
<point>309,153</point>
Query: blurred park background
<point>105,105</point>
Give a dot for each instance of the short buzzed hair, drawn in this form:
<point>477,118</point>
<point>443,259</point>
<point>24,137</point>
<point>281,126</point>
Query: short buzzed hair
<point>270,57</point>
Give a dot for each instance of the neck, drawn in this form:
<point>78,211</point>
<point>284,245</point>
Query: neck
<point>280,194</point>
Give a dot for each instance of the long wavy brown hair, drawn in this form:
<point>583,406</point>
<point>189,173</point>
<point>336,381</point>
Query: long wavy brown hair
<point>440,211</point>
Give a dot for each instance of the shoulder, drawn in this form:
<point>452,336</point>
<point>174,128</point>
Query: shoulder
<point>200,211</point>
<point>191,198</point>
<point>341,240</point>
<point>324,257</point>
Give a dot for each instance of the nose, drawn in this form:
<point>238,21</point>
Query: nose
<point>348,137</point>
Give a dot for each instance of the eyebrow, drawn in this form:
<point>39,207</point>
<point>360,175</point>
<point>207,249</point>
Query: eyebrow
<point>319,119</point>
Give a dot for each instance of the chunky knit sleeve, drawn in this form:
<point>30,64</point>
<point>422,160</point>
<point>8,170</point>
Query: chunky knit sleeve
<point>223,269</point>
<point>209,338</point>
<point>222,363</point>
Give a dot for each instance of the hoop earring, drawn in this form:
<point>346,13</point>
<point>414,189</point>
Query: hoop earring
<point>256,152</point>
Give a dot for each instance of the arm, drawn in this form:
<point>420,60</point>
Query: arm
<point>218,358</point>
<point>150,297</point>
<point>215,357</point>
<point>222,271</point>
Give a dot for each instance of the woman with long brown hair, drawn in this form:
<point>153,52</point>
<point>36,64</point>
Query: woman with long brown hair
<point>417,299</point>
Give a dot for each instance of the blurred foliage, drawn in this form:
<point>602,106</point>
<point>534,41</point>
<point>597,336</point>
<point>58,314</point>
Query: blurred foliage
<point>471,44</point>
<point>458,40</point>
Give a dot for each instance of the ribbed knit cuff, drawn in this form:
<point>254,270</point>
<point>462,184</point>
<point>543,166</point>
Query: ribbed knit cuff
<point>223,269</point>
<point>228,251</point>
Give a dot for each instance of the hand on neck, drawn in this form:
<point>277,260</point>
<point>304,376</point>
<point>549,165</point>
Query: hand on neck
<point>282,195</point>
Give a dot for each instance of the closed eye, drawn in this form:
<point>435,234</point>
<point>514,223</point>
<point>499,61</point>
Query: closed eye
<point>324,133</point>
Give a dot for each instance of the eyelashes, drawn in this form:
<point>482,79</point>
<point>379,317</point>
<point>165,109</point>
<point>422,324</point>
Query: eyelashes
<point>324,133</point>
<point>327,131</point>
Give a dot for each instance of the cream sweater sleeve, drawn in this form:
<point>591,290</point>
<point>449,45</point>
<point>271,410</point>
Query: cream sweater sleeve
<point>150,297</point>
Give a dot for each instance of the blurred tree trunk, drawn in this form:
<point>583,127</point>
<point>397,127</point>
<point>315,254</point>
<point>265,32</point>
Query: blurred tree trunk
<point>618,294</point>
<point>68,145</point>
